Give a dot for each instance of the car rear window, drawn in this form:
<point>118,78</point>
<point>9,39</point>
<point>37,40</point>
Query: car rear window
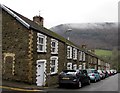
<point>90,71</point>
<point>70,71</point>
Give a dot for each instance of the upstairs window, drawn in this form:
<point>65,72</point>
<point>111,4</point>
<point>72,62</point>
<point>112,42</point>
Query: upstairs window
<point>83,56</point>
<point>99,63</point>
<point>54,65</point>
<point>41,42</point>
<point>54,46</point>
<point>74,53</point>
<point>69,52</point>
<point>80,53</point>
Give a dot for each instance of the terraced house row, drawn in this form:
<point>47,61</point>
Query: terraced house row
<point>33,54</point>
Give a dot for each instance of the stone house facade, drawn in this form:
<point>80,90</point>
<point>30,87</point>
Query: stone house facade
<point>33,54</point>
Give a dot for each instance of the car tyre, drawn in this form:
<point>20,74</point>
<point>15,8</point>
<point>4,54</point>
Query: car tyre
<point>95,80</point>
<point>79,85</point>
<point>60,85</point>
<point>89,82</point>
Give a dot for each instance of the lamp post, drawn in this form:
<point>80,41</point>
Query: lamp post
<point>68,30</point>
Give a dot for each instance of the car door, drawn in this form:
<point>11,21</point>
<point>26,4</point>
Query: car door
<point>96,74</point>
<point>82,76</point>
<point>86,75</point>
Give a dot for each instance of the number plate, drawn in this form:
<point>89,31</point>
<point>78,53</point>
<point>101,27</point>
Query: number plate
<point>66,78</point>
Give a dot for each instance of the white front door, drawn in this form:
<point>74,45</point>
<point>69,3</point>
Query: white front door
<point>40,76</point>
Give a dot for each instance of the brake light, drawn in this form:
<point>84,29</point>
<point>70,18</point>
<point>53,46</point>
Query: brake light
<point>93,74</point>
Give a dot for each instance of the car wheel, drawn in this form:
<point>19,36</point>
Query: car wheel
<point>89,82</point>
<point>95,80</point>
<point>60,85</point>
<point>99,79</point>
<point>79,85</point>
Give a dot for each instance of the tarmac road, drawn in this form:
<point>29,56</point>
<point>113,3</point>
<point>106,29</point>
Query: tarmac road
<point>109,85</point>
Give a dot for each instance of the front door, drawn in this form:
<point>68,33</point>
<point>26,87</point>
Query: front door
<point>40,76</point>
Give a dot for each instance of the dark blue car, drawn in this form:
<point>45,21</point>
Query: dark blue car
<point>73,77</point>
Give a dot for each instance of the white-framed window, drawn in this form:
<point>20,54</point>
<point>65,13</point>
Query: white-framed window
<point>84,65</point>
<point>54,46</point>
<point>74,53</point>
<point>75,66</point>
<point>41,43</point>
<point>99,62</point>
<point>83,56</point>
<point>80,67</point>
<point>69,52</point>
<point>69,66</point>
<point>53,64</point>
<point>80,55</point>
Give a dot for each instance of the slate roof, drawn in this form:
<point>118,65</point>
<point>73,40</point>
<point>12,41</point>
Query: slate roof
<point>32,25</point>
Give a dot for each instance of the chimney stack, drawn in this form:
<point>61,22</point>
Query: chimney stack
<point>93,50</point>
<point>84,46</point>
<point>38,20</point>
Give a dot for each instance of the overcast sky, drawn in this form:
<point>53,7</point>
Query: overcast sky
<point>57,12</point>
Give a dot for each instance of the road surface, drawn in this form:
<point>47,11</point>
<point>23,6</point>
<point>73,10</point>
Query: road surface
<point>109,84</point>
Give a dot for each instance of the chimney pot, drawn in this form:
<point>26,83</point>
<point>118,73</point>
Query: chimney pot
<point>38,20</point>
<point>84,46</point>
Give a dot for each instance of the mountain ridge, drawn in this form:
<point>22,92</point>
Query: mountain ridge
<point>94,35</point>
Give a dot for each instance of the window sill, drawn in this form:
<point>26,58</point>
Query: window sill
<point>69,58</point>
<point>53,74</point>
<point>54,53</point>
<point>74,59</point>
<point>41,51</point>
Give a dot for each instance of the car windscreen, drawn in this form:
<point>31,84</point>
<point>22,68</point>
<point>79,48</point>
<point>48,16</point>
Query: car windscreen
<point>70,71</point>
<point>99,71</point>
<point>90,71</point>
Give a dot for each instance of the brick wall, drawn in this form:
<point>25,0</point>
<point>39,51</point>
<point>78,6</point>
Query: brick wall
<point>15,38</point>
<point>51,79</point>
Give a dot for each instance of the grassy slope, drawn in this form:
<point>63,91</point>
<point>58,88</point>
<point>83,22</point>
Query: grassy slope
<point>103,53</point>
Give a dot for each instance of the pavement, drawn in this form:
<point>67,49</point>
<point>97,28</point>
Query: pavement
<point>20,86</point>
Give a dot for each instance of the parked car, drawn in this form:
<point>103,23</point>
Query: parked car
<point>102,74</point>
<point>106,73</point>
<point>113,71</point>
<point>74,77</point>
<point>93,74</point>
<point>109,72</point>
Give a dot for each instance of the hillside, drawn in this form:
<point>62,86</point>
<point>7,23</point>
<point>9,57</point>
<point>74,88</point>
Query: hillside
<point>94,35</point>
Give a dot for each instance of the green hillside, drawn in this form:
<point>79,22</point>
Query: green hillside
<point>94,35</point>
<point>103,53</point>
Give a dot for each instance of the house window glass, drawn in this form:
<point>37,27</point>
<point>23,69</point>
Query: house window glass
<point>80,55</point>
<point>84,65</point>
<point>83,56</point>
<point>69,52</point>
<point>74,53</point>
<point>69,66</point>
<point>54,46</point>
<point>54,65</point>
<point>75,66</point>
<point>80,67</point>
<point>41,42</point>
